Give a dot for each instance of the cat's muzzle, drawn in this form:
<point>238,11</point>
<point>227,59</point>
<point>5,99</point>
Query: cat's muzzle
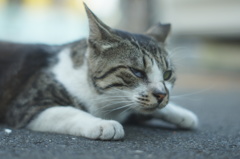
<point>153,107</point>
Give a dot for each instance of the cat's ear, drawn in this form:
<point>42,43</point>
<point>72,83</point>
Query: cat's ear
<point>98,30</point>
<point>159,31</point>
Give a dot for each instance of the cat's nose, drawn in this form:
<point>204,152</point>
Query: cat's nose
<point>160,95</point>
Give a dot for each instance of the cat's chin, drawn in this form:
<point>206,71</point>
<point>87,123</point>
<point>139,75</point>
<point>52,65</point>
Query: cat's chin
<point>150,110</point>
<point>147,110</point>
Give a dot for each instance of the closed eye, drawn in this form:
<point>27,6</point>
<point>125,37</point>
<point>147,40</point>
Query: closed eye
<point>138,73</point>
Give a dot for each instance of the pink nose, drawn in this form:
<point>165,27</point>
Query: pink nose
<point>159,95</point>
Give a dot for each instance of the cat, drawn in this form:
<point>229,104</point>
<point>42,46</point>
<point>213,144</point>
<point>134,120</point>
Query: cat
<point>88,87</point>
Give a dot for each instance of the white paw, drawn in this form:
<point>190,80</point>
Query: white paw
<point>188,121</point>
<point>104,130</point>
<point>178,116</point>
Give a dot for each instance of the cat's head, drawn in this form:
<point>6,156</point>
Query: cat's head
<point>132,71</point>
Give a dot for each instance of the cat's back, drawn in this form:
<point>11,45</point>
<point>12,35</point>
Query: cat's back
<point>16,57</point>
<point>18,64</point>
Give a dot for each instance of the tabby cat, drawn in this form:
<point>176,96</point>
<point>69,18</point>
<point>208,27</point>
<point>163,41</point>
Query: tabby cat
<point>88,87</point>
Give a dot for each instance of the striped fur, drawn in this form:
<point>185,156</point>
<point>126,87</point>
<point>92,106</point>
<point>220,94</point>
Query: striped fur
<point>87,87</point>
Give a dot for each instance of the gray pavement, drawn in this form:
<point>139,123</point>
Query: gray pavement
<point>218,136</point>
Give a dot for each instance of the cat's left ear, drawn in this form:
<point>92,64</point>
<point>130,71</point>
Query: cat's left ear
<point>98,30</point>
<point>159,31</point>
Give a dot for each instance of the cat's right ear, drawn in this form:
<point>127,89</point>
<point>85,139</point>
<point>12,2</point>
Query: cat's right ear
<point>159,31</point>
<point>97,29</point>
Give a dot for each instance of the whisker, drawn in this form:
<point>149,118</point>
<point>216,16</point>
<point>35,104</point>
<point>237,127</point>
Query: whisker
<point>109,100</point>
<point>176,51</point>
<point>128,109</point>
<point>180,59</point>
<point>194,93</point>
<point>110,97</point>
<point>115,103</point>
<point>125,106</point>
<point>111,104</point>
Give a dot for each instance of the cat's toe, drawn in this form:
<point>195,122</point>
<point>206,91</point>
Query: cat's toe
<point>111,130</point>
<point>119,131</point>
<point>105,130</point>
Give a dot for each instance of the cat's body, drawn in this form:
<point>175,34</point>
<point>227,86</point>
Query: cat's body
<point>27,81</point>
<point>87,87</point>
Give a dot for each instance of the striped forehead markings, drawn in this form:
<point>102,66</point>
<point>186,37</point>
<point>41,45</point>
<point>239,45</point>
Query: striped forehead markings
<point>144,62</point>
<point>147,55</point>
<point>163,61</point>
<point>166,62</point>
<point>134,43</point>
<point>110,71</point>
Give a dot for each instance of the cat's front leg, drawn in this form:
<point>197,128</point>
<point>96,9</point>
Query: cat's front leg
<point>178,116</point>
<point>72,121</point>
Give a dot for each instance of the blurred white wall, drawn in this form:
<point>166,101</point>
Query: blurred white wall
<point>219,18</point>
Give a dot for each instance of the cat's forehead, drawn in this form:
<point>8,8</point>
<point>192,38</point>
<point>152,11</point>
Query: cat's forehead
<point>141,41</point>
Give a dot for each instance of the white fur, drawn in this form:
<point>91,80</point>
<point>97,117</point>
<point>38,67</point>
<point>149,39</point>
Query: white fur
<point>76,83</point>
<point>169,86</point>
<point>69,120</point>
<point>156,78</point>
<point>178,116</point>
<point>74,80</point>
<point>156,75</point>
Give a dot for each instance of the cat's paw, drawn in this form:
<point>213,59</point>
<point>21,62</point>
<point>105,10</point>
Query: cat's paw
<point>105,130</point>
<point>178,116</point>
<point>188,121</point>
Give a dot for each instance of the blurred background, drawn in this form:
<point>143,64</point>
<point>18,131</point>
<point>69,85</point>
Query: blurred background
<point>204,42</point>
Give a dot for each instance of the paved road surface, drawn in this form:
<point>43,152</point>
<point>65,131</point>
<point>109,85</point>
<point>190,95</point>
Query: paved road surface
<point>218,137</point>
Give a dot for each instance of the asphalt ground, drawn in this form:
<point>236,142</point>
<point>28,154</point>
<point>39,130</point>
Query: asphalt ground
<point>217,137</point>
